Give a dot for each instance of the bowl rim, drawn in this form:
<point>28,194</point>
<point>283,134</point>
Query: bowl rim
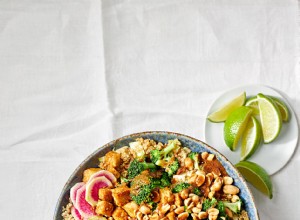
<point>113,142</point>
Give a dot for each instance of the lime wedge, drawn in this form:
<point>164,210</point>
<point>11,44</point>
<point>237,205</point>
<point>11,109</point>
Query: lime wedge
<point>285,115</point>
<point>252,102</point>
<point>284,110</point>
<point>257,176</point>
<point>221,114</point>
<point>270,118</point>
<point>235,126</point>
<point>251,138</point>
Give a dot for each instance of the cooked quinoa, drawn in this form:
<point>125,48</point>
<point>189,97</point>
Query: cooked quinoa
<point>66,212</point>
<point>162,181</point>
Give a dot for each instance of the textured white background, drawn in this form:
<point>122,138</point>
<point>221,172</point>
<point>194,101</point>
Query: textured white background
<point>75,74</point>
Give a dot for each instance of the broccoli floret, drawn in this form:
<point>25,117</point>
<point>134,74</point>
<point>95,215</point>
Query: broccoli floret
<point>195,157</point>
<point>220,206</point>
<point>155,155</point>
<point>172,168</point>
<point>155,182</point>
<point>124,180</point>
<point>234,206</point>
<point>197,191</point>
<point>165,180</point>
<point>136,167</point>
<point>144,192</point>
<point>153,205</point>
<point>158,155</point>
<point>207,203</point>
<point>179,187</point>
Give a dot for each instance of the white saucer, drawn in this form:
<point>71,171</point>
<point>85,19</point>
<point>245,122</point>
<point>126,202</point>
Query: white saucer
<point>272,156</point>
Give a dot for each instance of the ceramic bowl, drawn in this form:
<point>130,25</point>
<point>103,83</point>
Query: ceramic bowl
<point>159,136</point>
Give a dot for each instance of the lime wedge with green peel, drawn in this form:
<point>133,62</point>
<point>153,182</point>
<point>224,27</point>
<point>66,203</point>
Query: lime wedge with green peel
<point>257,176</point>
<point>235,126</point>
<point>270,118</point>
<point>252,102</point>
<point>251,138</point>
<point>222,114</point>
<point>284,110</point>
<point>285,115</point>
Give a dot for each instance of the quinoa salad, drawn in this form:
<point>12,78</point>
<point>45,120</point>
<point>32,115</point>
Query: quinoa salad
<point>150,181</point>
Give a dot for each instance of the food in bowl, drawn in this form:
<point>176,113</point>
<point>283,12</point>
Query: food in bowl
<point>154,180</point>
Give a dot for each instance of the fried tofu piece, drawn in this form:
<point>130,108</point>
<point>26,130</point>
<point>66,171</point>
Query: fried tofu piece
<point>104,208</point>
<point>112,159</point>
<point>112,162</point>
<point>88,173</point>
<point>121,195</point>
<point>114,171</point>
<point>131,208</point>
<point>105,194</point>
<point>119,214</point>
<point>166,195</point>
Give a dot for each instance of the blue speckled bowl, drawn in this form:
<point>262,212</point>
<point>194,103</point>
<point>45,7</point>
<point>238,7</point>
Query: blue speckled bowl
<point>161,136</point>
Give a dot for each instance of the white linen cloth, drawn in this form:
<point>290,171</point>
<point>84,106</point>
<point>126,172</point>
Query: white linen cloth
<point>77,74</point>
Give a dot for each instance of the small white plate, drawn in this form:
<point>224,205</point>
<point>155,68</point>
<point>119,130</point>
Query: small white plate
<point>272,156</point>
